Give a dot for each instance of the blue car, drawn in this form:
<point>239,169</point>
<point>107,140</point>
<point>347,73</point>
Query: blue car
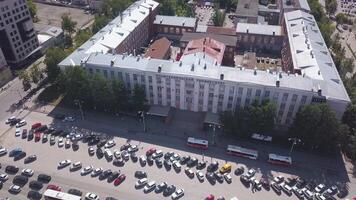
<point>15,152</point>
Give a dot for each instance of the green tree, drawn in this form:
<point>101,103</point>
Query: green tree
<point>330,6</point>
<point>120,96</point>
<point>176,8</point>
<point>68,25</point>
<point>138,98</point>
<point>82,36</point>
<point>341,18</point>
<point>35,73</point>
<point>26,79</point>
<point>99,22</point>
<point>349,117</point>
<point>317,126</point>
<point>53,57</point>
<point>101,93</point>
<point>219,17</point>
<point>261,117</point>
<point>32,8</point>
<point>76,84</point>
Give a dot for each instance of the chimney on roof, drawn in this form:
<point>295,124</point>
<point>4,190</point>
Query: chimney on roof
<point>183,23</point>
<point>255,71</point>
<point>159,68</point>
<point>288,72</point>
<point>274,33</point>
<point>318,72</point>
<point>277,83</point>
<point>280,74</point>
<point>205,66</point>
<point>319,91</point>
<point>192,68</point>
<point>180,63</point>
<point>221,76</point>
<point>247,31</point>
<point>160,21</point>
<point>199,61</point>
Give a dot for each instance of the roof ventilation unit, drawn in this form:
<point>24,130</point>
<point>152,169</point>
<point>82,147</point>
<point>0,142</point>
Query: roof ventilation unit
<point>159,68</point>
<point>221,76</point>
<point>192,68</point>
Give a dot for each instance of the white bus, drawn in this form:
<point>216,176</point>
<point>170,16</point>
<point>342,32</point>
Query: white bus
<point>279,160</point>
<point>243,152</point>
<point>56,195</point>
<point>197,143</point>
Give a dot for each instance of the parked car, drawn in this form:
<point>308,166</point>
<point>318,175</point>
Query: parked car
<point>161,187</point>
<point>176,166</point>
<point>110,144</point>
<point>10,119</point>
<point>35,125</point>
<point>21,123</point>
<point>157,154</point>
<point>238,171</point>
<point>150,151</point>
<point>91,151</point>
<point>75,192</point>
<point>64,163</point>
<point>120,179</point>
<point>14,152</point>
<point>20,180</point>
<point>36,185</point>
<point>91,196</point>
<point>35,195</point>
<point>200,176</point>
<point>99,153</point>
<point>142,160</point>
<point>184,159</point>
<point>19,156</point>
<point>44,138</point>
<point>44,178</point>
<point>24,134</point>
<point>225,168</point>
<point>276,187</point>
<point>227,177</point>
<point>75,166</point>
<point>169,190</point>
<point>189,172</point>
<point>149,186</point>
<point>320,188</point>
<point>108,154</point>
<point>27,172</point>
<point>37,136</point>
<point>54,187</point>
<point>87,170</point>
<point>105,174</point>
<point>178,194</point>
<point>132,148</point>
<point>113,176</point>
<point>140,183</point>
<point>17,132</point>
<point>15,189</point>
<point>210,177</point>
<point>96,172</point>
<point>4,177</point>
<point>11,169</point>
<point>213,166</point>
<point>286,188</point>
<point>140,174</point>
<point>3,151</point>
<point>192,162</point>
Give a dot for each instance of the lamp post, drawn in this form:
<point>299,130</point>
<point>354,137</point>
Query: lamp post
<point>143,114</point>
<point>294,142</point>
<point>79,103</point>
<point>214,126</point>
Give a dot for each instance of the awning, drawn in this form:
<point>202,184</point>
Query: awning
<point>161,111</point>
<point>212,118</point>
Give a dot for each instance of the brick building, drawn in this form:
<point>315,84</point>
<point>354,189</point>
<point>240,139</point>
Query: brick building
<point>159,49</point>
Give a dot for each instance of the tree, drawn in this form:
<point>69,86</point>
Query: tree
<point>101,93</point>
<point>76,85</point>
<point>317,126</point>
<point>341,18</point>
<point>32,8</point>
<point>26,79</point>
<point>82,36</point>
<point>35,73</point>
<point>261,117</point>
<point>330,6</point>
<point>54,56</point>
<point>138,98</point>
<point>120,95</point>
<point>99,22</point>
<point>219,17</point>
<point>349,117</point>
<point>176,8</point>
<point>68,25</point>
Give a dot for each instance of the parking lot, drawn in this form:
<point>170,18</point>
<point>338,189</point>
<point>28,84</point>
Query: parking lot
<point>48,157</point>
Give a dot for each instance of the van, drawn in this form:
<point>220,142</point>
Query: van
<point>108,154</point>
<point>225,168</point>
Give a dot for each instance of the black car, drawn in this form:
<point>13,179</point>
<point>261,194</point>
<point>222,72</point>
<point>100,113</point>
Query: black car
<point>75,192</point>
<point>201,165</point>
<point>159,163</point>
<point>99,152</point>
<point>44,178</point>
<point>161,187</point>
<point>87,138</point>
<point>101,143</point>
<point>10,169</point>
<point>20,180</point>
<point>245,180</point>
<point>168,155</point>
<point>192,162</point>
<point>183,160</point>
<point>150,160</point>
<point>125,147</point>
<point>301,183</point>
<point>167,164</point>
<point>134,157</point>
<point>94,141</point>
<point>118,162</point>
<point>49,131</point>
<point>238,171</point>
<point>35,185</point>
<point>140,174</point>
<point>213,166</point>
<point>169,190</point>
<point>277,188</point>
<point>113,176</point>
<point>219,177</point>
<point>24,134</point>
<point>14,121</point>
<point>30,158</point>
<point>30,135</point>
<point>105,174</point>
<point>34,195</point>
<point>20,156</point>
<point>210,177</point>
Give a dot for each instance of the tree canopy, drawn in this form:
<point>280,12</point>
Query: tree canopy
<point>32,8</point>
<point>330,6</point>
<point>175,8</point>
<point>54,56</point>
<point>218,17</point>
<point>68,25</point>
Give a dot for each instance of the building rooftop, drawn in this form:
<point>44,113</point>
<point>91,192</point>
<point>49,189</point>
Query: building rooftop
<point>207,46</point>
<point>225,39</point>
<point>220,30</point>
<point>259,29</point>
<point>309,52</point>
<point>247,8</point>
<point>175,21</point>
<point>159,48</point>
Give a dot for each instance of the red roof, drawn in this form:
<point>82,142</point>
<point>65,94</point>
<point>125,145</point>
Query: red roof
<point>210,46</point>
<point>159,48</point>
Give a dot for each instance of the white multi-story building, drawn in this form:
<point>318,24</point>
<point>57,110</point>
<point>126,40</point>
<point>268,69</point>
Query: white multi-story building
<point>197,83</point>
<point>18,39</point>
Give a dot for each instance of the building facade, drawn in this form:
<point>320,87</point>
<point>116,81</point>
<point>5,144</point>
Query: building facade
<point>5,73</point>
<point>18,39</point>
<point>173,27</point>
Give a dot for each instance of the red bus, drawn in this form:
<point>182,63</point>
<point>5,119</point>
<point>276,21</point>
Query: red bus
<point>240,151</point>
<point>197,143</point>
<point>279,160</point>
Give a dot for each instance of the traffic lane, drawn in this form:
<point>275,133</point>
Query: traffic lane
<point>65,179</point>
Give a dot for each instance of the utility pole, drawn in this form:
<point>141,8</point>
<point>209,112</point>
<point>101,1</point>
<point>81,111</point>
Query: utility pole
<point>214,126</point>
<point>77,102</point>
<point>294,141</point>
<point>142,114</point>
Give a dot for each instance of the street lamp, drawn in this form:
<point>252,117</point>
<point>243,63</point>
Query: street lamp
<point>142,114</point>
<point>79,103</point>
<point>294,142</point>
<point>214,126</point>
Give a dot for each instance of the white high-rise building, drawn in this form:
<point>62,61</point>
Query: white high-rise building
<point>18,38</point>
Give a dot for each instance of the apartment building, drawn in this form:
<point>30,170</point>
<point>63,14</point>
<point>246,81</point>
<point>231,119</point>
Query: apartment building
<point>198,84</point>
<point>18,39</point>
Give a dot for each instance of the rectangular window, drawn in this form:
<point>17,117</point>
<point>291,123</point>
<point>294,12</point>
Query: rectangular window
<point>294,98</point>
<point>150,79</point>
<point>249,91</point>
<point>258,93</point>
<point>303,100</point>
<point>285,97</point>
<point>267,93</point>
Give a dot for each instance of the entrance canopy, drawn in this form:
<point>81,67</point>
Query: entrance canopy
<point>160,111</point>
<point>212,118</point>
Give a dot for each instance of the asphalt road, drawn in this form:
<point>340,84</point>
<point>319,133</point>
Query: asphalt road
<point>49,156</point>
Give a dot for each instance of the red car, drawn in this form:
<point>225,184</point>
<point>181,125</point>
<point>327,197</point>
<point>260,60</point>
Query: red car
<point>36,125</point>
<point>210,197</point>
<point>150,151</point>
<point>54,187</point>
<point>37,136</point>
<point>119,179</point>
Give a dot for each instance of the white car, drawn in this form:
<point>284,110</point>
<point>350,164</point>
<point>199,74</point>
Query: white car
<point>15,189</point>
<point>278,179</point>
<point>10,119</point>
<point>67,143</point>
<point>143,159</point>
<point>27,172</point>
<point>176,165</point>
<point>149,186</point>
<point>157,154</point>
<point>91,196</point>
<point>68,119</point>
<point>77,137</point>
<point>75,166</point>
<point>132,148</point>
<point>141,182</point>
<point>178,194</point>
<point>250,173</point>
<point>110,144</point>
<point>320,188</point>
<point>117,154</point>
<point>3,151</point>
<point>21,123</point>
<point>200,176</point>
<point>64,163</point>
<point>60,142</point>
<point>87,170</point>
<point>18,132</point>
<point>4,177</point>
<point>96,172</point>
<point>227,177</point>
